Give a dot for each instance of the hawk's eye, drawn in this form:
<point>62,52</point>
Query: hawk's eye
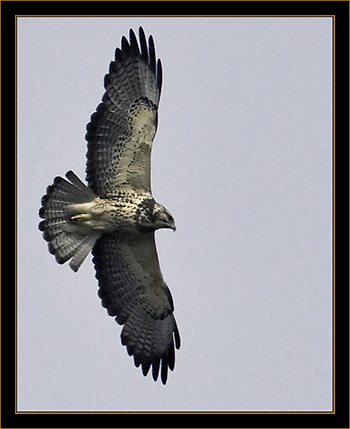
<point>164,216</point>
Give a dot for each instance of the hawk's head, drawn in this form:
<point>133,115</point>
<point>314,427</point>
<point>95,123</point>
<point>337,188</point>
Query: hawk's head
<point>161,218</point>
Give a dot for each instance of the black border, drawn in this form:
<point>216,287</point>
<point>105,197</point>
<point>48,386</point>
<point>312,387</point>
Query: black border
<point>340,9</point>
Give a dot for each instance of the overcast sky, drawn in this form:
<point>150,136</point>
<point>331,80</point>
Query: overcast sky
<point>243,160</point>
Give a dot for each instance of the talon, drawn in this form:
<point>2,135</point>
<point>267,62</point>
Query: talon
<point>77,217</point>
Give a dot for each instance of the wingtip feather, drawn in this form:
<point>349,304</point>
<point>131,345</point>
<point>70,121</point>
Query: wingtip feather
<point>133,43</point>
<point>143,44</point>
<point>159,75</point>
<point>125,45</point>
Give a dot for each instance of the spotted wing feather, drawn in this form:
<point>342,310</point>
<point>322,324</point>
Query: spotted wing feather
<point>132,290</point>
<point>121,131</point>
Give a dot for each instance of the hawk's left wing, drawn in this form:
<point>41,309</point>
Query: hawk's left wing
<point>132,289</point>
<point>122,129</point>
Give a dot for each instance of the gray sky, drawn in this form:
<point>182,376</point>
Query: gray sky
<point>243,160</point>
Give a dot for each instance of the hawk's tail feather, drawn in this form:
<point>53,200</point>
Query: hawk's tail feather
<point>152,342</point>
<point>58,229</point>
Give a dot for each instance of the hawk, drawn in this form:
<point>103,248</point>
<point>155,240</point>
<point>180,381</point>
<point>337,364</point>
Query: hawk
<point>116,216</point>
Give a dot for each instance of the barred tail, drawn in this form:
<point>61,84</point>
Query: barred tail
<point>58,228</point>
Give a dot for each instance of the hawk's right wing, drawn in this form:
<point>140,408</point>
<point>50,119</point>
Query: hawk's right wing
<point>132,289</point>
<point>121,131</point>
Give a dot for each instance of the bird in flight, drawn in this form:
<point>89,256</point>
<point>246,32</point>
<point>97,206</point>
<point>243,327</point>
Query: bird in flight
<point>115,216</point>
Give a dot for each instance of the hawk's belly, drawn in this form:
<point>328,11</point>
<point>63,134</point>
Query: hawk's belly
<point>106,215</point>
